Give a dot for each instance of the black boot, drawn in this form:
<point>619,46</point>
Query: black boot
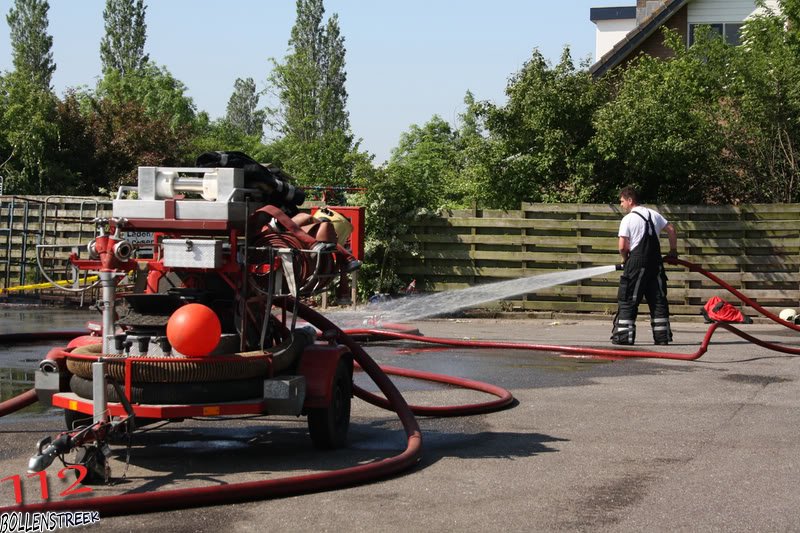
<point>662,333</point>
<point>624,332</point>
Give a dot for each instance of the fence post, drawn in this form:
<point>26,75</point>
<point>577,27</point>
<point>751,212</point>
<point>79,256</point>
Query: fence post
<point>524,234</point>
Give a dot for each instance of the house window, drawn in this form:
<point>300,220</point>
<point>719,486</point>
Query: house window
<point>730,31</point>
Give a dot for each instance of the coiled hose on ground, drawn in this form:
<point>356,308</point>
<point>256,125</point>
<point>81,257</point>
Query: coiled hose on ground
<point>137,503</point>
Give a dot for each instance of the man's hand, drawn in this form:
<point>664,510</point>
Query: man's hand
<point>671,255</point>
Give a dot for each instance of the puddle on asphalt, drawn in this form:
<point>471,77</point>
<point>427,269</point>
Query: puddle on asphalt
<point>506,368</point>
<point>18,361</point>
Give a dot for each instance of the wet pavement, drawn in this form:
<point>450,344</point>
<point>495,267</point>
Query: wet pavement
<point>592,445</point>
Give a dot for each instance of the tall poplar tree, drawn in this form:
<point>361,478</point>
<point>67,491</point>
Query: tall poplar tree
<point>28,111</point>
<point>141,114</point>
<point>242,112</point>
<point>311,81</point>
<point>122,47</point>
<point>333,94</point>
<point>312,99</point>
<point>30,43</point>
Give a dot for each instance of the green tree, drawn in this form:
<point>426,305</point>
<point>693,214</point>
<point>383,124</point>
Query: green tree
<point>141,118</point>
<point>222,134</point>
<point>5,147</point>
<point>127,136</point>
<point>122,46</point>
<point>478,155</point>
<point>160,94</point>
<point>661,130</point>
<point>333,93</point>
<point>30,43</point>
<point>27,116</point>
<point>544,131</point>
<point>242,111</point>
<point>73,156</point>
<point>759,123</point>
<point>297,80</point>
<point>426,161</point>
<point>311,112</point>
<point>422,175</point>
<point>389,207</point>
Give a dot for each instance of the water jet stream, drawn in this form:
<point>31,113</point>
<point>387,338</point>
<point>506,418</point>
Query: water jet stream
<point>419,307</point>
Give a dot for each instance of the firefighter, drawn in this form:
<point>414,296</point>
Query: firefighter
<point>643,270</point>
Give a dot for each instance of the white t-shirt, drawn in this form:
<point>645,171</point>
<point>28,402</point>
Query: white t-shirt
<point>633,226</point>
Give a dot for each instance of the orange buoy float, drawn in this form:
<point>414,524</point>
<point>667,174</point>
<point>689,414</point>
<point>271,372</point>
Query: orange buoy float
<point>194,330</point>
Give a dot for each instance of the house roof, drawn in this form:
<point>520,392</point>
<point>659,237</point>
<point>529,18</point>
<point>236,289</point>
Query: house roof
<point>636,37</point>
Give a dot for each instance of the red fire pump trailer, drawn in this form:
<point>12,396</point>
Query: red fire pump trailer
<point>209,327</point>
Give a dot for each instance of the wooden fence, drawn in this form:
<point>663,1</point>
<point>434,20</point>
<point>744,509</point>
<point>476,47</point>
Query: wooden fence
<point>755,248</point>
<point>31,220</point>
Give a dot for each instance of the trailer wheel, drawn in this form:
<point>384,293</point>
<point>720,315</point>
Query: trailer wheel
<point>328,425</point>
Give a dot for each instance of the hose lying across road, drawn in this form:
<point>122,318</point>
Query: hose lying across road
<point>614,353</point>
<point>134,503</point>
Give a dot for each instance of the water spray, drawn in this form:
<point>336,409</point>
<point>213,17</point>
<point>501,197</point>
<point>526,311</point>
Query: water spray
<point>416,307</point>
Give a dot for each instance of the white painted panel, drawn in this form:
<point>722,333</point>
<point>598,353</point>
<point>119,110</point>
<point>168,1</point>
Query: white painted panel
<point>709,11</point>
<point>609,33</point>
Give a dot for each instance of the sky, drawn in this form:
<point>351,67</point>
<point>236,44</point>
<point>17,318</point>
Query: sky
<point>406,60</point>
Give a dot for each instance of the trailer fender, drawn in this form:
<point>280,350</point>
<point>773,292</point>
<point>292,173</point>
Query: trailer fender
<point>318,365</point>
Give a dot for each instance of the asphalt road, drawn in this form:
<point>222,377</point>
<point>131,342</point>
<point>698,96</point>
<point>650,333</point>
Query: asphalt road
<point>592,445</point>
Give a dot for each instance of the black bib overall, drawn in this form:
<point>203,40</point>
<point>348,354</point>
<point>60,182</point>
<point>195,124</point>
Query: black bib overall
<point>643,276</point>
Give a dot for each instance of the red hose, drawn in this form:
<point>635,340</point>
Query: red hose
<point>572,350</point>
<point>759,342</point>
<point>725,285</point>
<point>18,402</point>
<point>605,352</point>
<point>272,488</point>
<point>580,350</point>
<point>504,398</point>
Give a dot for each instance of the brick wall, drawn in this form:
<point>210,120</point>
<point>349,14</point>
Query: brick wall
<point>654,45</point>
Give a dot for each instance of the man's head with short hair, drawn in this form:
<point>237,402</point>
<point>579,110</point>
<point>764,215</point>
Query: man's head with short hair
<point>630,192</point>
<point>628,198</point>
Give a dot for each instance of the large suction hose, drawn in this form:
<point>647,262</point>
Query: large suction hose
<point>504,398</point>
